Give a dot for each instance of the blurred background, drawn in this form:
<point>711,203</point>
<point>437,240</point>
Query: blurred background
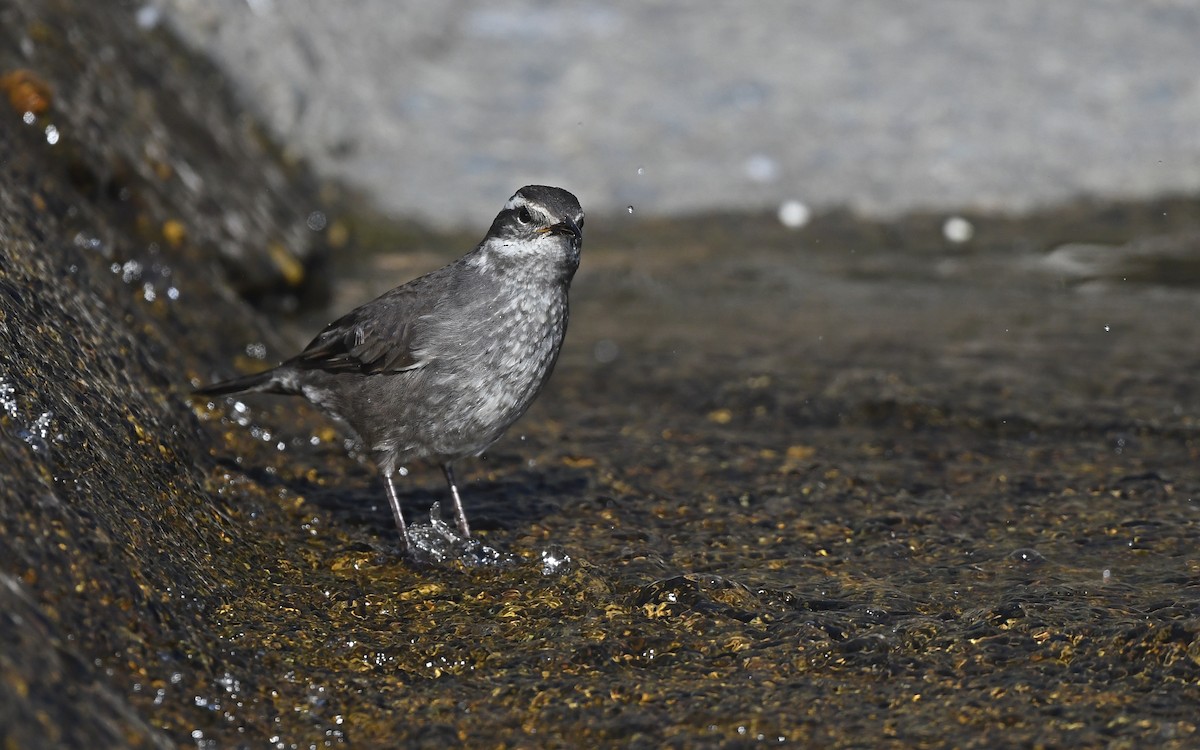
<point>439,110</point>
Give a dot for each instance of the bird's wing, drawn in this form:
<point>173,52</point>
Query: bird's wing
<point>377,338</point>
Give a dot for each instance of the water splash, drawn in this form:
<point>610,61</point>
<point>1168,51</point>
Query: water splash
<point>438,543</point>
<point>37,433</point>
<point>555,561</point>
<point>8,399</point>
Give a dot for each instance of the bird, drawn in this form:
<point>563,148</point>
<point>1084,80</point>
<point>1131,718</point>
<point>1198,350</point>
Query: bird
<point>441,366</point>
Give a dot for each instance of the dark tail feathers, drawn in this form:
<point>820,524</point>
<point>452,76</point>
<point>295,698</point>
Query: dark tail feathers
<point>263,382</point>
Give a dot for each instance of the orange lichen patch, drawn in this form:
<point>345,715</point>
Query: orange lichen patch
<point>26,92</point>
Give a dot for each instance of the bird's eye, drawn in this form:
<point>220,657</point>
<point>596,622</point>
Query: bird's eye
<point>523,215</point>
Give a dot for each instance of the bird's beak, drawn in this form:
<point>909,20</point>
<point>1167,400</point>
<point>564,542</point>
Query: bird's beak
<point>568,227</point>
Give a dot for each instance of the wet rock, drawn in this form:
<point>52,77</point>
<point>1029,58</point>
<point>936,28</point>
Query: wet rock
<point>123,161</point>
<point>118,120</point>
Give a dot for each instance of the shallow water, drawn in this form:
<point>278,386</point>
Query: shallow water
<point>847,486</point>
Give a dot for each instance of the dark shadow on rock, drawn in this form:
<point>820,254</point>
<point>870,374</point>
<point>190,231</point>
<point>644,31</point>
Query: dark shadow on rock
<point>519,499</point>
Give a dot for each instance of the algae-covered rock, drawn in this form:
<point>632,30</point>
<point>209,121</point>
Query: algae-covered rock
<point>126,173</point>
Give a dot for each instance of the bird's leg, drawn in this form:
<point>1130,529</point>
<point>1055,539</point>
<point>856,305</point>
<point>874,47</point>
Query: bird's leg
<point>395,503</point>
<point>463,527</point>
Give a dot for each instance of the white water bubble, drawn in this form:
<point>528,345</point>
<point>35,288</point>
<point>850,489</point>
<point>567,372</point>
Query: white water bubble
<point>793,214</point>
<point>956,229</point>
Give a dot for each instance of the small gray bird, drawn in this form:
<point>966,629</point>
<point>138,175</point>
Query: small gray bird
<point>440,367</point>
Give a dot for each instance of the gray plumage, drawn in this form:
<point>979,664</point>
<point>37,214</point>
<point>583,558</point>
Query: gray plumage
<point>440,367</point>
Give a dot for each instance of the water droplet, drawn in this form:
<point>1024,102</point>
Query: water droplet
<point>641,171</point>
<point>958,230</point>
<point>629,209</point>
<point>1027,556</point>
<point>793,214</point>
<point>130,270</point>
<point>51,135</point>
<point>1107,329</point>
<point>29,118</point>
<point>316,221</point>
<point>257,350</point>
<point>88,243</point>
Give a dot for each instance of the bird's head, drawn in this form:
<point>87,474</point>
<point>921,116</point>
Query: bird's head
<point>539,226</point>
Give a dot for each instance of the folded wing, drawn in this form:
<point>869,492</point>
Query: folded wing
<point>378,338</point>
